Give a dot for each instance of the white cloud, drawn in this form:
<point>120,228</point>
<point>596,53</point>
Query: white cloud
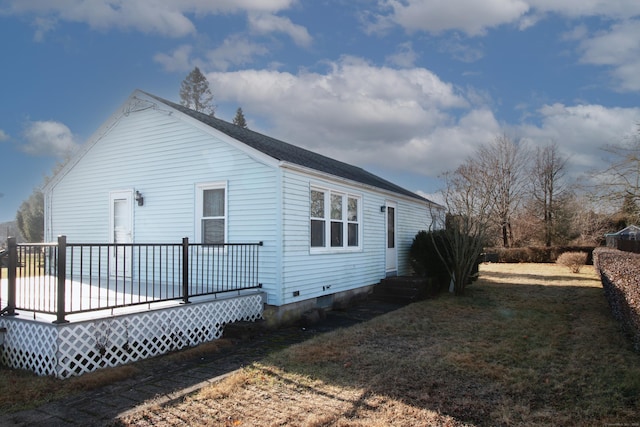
<point>405,56</point>
<point>178,60</point>
<point>613,9</point>
<point>475,18</point>
<point>405,119</point>
<point>265,23</point>
<point>48,138</point>
<point>470,16</point>
<point>577,33</point>
<point>166,17</point>
<point>463,52</point>
<point>3,136</point>
<point>43,25</point>
<point>234,51</point>
<point>618,48</point>
<point>582,130</point>
<point>437,149</point>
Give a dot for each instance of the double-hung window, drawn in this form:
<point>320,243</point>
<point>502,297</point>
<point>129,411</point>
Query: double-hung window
<point>211,208</point>
<point>335,220</point>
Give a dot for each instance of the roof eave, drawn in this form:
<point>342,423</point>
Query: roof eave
<point>353,183</point>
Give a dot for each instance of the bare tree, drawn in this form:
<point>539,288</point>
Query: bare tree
<point>502,174</point>
<point>619,183</point>
<point>589,224</point>
<point>195,93</point>
<point>547,186</point>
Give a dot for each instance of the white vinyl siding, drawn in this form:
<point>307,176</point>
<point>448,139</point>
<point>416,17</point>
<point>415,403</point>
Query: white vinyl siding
<point>314,274</point>
<point>164,158</point>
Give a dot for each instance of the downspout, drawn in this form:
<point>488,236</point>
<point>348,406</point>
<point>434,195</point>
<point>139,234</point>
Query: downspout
<point>280,234</point>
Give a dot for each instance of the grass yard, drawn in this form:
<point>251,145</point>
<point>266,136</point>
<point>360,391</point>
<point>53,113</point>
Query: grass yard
<point>530,344</point>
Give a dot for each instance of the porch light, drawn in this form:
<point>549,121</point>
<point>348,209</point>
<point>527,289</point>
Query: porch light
<point>383,208</point>
<point>139,198</point>
<point>3,331</point>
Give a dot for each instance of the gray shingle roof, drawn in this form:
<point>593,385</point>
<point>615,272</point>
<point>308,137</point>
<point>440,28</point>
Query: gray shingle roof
<point>286,152</point>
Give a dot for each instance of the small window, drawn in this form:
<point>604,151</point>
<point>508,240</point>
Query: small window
<point>211,213</point>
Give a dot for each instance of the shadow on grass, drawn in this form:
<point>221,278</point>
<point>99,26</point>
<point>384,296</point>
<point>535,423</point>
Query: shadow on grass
<point>504,354</point>
<point>527,354</point>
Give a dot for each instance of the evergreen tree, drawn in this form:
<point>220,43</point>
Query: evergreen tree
<point>239,119</point>
<point>30,217</point>
<point>195,93</point>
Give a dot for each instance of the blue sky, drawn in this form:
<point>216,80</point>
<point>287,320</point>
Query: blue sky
<point>404,88</point>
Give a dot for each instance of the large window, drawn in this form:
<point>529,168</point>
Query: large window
<point>335,220</point>
<point>211,210</point>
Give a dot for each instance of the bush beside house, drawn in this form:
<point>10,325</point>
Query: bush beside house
<point>424,258</point>
<point>425,255</point>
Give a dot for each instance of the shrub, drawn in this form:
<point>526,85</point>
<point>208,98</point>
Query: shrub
<point>573,260</point>
<point>424,257</point>
<point>539,254</point>
<point>621,282</point>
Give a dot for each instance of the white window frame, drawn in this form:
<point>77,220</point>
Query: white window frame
<point>327,248</point>
<point>200,188</point>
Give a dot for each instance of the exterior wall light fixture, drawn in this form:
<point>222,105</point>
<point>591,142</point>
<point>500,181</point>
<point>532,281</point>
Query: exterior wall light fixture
<point>139,198</point>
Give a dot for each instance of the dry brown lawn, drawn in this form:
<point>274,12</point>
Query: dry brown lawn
<point>530,344</point>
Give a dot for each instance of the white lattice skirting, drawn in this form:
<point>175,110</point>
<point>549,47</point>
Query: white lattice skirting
<point>77,348</point>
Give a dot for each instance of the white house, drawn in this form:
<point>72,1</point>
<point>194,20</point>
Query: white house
<point>157,172</point>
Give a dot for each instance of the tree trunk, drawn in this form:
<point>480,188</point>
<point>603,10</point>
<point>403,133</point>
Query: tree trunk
<point>505,236</point>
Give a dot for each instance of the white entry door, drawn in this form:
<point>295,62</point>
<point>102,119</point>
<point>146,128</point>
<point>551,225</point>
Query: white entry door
<point>391,252</point>
<point>121,225</point>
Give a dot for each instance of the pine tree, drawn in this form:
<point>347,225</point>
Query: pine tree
<point>195,93</point>
<point>239,119</point>
<point>30,217</point>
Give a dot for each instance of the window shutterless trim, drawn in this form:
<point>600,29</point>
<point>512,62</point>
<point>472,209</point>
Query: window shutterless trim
<point>200,188</point>
<point>334,220</point>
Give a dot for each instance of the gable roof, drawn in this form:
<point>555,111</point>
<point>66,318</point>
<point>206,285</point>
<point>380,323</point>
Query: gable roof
<point>283,151</point>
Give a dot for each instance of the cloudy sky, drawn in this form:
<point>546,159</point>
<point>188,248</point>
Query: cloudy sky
<point>404,88</point>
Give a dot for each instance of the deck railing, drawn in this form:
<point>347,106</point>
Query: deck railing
<point>68,278</point>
